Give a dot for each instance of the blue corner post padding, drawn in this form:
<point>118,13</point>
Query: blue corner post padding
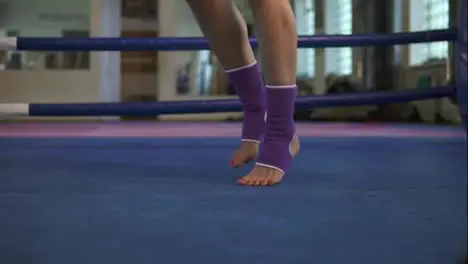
<point>461,62</point>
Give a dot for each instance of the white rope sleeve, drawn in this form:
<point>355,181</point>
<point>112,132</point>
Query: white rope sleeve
<point>9,110</point>
<point>8,43</point>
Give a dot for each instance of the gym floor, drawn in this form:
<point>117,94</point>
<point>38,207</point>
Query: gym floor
<point>163,193</point>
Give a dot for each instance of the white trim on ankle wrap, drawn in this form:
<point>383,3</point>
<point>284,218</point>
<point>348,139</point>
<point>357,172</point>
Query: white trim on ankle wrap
<point>240,68</point>
<point>270,166</point>
<point>291,86</point>
<point>250,140</point>
<point>274,167</point>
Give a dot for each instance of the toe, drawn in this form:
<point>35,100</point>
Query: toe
<point>250,180</point>
<point>264,181</point>
<point>234,163</point>
<point>257,182</point>
<point>253,181</point>
<point>239,160</point>
<point>242,181</point>
<point>247,180</point>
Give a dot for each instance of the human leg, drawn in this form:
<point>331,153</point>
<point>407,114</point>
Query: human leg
<point>276,31</point>
<point>226,31</point>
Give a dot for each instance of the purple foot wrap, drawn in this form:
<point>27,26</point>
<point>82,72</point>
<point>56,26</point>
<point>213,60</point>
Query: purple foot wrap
<point>249,86</point>
<point>275,151</point>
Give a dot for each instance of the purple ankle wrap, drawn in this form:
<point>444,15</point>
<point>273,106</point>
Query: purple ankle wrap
<point>249,86</point>
<point>280,131</point>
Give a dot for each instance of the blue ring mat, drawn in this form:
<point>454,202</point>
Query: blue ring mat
<point>167,200</point>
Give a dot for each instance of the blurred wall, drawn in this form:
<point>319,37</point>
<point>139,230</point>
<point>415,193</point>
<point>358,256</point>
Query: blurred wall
<point>45,17</point>
<point>103,81</point>
<point>42,18</point>
<point>98,82</point>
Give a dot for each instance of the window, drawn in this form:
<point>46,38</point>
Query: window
<point>435,15</point>
<point>73,59</point>
<point>13,60</point>
<point>139,9</point>
<point>205,72</point>
<point>345,57</point>
<point>305,19</point>
<point>339,20</point>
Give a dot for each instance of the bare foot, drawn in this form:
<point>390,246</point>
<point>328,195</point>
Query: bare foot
<point>263,176</point>
<point>246,153</point>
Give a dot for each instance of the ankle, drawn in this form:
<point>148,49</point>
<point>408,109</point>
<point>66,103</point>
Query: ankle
<point>253,126</point>
<point>280,116</point>
<point>285,132</point>
<point>254,109</point>
<point>249,144</point>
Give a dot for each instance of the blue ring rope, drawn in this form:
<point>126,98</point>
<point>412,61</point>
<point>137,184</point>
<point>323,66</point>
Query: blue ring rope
<point>209,106</point>
<point>233,105</point>
<point>188,44</point>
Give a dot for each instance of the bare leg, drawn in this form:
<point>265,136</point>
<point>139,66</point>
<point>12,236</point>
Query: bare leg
<point>226,31</point>
<point>277,34</point>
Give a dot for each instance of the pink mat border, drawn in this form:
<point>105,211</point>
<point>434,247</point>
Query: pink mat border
<point>215,130</point>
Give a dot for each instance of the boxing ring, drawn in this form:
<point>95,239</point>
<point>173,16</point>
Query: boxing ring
<point>163,192</point>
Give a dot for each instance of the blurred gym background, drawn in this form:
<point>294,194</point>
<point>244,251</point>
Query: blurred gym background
<point>68,77</point>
